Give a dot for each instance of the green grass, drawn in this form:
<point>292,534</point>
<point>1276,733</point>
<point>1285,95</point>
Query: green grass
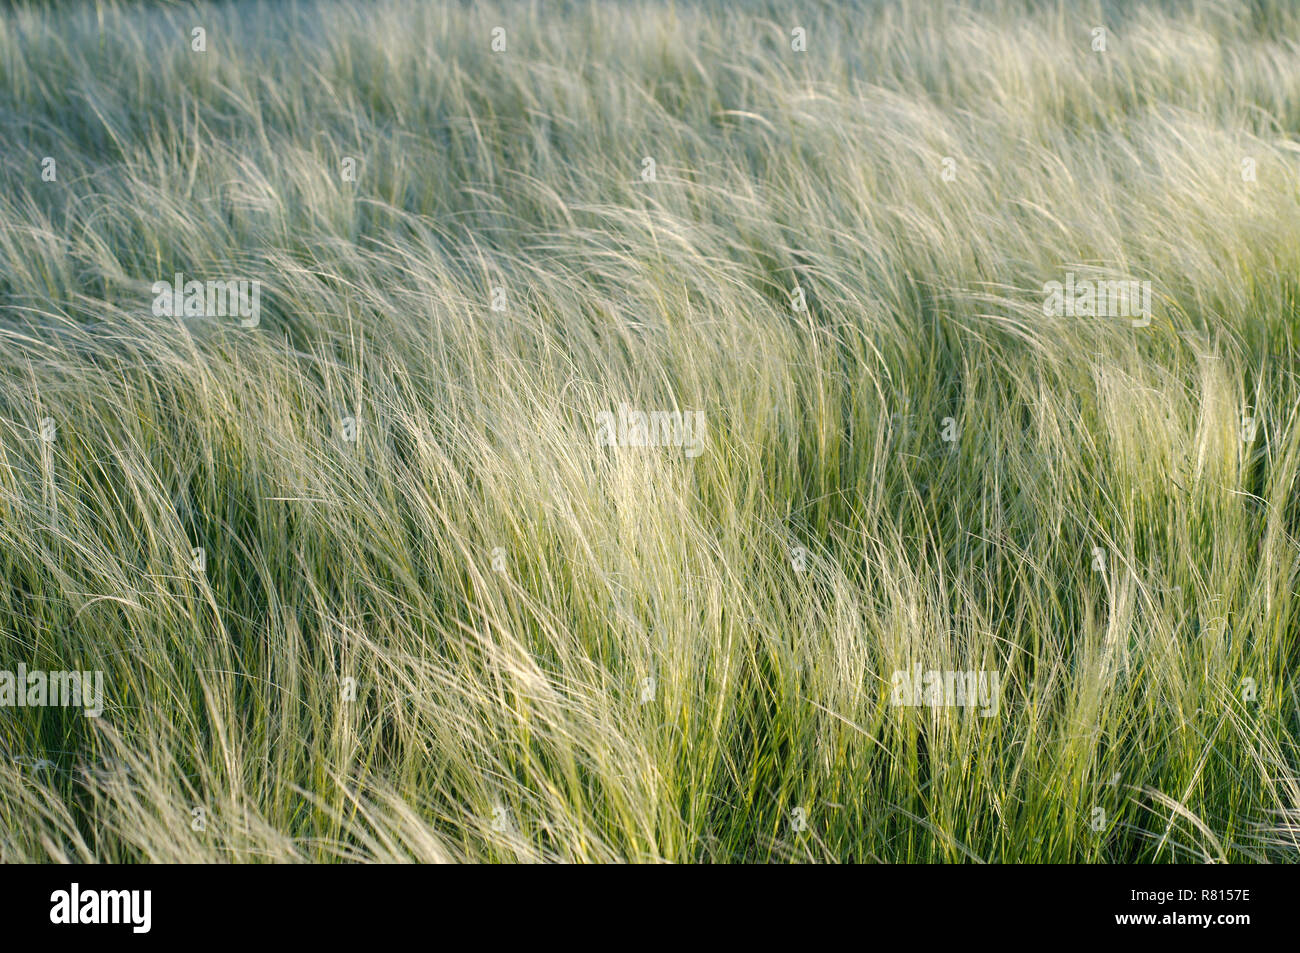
<point>827,536</point>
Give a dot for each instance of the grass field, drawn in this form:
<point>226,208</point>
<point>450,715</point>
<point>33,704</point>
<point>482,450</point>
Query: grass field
<point>377,568</point>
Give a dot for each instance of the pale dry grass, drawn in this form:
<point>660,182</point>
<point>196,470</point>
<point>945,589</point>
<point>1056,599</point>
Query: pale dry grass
<point>499,715</point>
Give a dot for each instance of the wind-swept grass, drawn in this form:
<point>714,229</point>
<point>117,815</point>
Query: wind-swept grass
<point>434,618</point>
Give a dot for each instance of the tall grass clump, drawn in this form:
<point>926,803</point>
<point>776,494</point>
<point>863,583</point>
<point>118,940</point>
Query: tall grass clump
<point>364,581</point>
